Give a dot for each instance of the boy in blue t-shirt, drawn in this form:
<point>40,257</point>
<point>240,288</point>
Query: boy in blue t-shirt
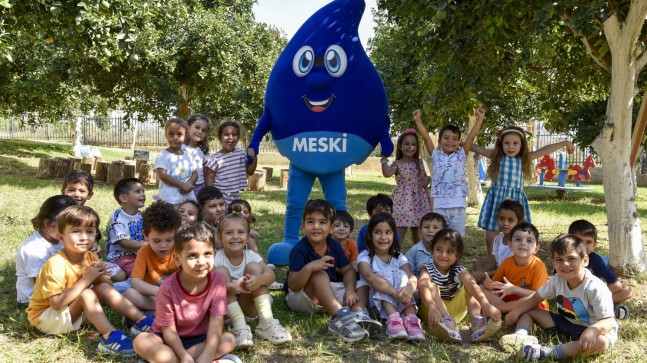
<point>375,204</point>
<point>312,280</point>
<point>620,292</point>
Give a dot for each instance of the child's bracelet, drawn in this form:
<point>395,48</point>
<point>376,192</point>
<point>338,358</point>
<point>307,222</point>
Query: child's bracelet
<point>384,160</point>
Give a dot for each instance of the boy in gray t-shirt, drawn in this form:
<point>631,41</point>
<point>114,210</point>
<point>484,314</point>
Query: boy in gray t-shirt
<point>584,305</point>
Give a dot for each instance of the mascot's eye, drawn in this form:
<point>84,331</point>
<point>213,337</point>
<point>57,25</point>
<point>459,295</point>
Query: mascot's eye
<point>336,61</point>
<point>303,61</point>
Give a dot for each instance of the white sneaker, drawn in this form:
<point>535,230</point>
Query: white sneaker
<point>513,342</point>
<point>273,331</point>
<point>243,337</point>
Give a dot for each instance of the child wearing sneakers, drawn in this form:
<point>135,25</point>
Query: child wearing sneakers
<point>342,226</point>
<point>584,308</point>
<point>448,293</point>
<point>155,261</point>
<point>191,306</point>
<point>72,283</point>
<point>124,233</point>
<point>312,280</point>
<point>248,279</point>
<point>392,282</point>
<point>420,253</point>
<point>520,275</point>
<point>620,291</point>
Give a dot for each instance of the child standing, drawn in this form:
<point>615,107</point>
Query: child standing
<point>620,292</point>
<point>392,282</point>
<point>249,278</point>
<point>510,165</point>
<point>312,280</point>
<point>191,305</point>
<point>72,284</point>
<point>78,184</point>
<point>519,275</point>
<point>190,211</point>
<point>449,184</point>
<point>510,214</point>
<point>342,226</point>
<point>174,167</point>
<point>156,260</point>
<point>197,146</point>
<point>448,292</point>
<point>410,197</point>
<point>584,308</point>
<point>125,235</point>
<point>40,246</point>
<point>420,253</point>
<point>227,169</point>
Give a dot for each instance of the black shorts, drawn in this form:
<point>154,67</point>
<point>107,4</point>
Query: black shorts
<point>565,327</point>
<point>188,342</point>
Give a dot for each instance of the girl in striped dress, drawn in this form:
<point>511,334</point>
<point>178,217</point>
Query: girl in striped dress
<point>227,169</point>
<point>510,164</point>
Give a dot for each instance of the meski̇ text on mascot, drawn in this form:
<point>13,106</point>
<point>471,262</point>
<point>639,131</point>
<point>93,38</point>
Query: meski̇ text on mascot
<point>326,108</point>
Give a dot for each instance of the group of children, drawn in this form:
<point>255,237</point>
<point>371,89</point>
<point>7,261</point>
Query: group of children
<point>190,260</point>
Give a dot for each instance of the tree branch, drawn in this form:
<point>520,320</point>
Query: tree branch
<point>604,61</point>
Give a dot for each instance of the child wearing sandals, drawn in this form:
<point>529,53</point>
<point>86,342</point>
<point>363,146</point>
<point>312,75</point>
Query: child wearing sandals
<point>248,280</point>
<point>392,282</point>
<point>448,293</point>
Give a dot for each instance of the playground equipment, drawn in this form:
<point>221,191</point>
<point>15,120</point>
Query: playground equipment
<point>547,169</point>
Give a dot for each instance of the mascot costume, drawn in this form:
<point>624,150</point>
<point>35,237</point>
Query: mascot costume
<point>326,108</point>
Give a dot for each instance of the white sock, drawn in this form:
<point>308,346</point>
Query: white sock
<point>236,315</point>
<point>264,307</point>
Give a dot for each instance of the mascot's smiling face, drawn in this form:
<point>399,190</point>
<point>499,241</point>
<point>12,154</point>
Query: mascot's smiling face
<point>324,96</point>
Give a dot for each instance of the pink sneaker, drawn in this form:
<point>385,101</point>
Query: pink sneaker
<point>394,327</point>
<point>412,325</point>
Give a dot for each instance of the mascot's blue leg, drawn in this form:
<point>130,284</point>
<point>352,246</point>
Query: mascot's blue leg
<point>334,189</point>
<point>299,188</point>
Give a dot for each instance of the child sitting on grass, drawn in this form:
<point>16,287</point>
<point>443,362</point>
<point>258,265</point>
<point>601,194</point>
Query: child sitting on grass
<point>420,253</point>
<point>312,280</point>
<point>40,246</point>
<point>212,202</point>
<point>584,309</point>
<point>246,211</point>
<point>248,279</point>
<point>191,305</point>
<point>156,260</point>
<point>375,204</point>
<point>342,226</point>
<point>520,275</point>
<point>79,185</point>
<point>72,284</point>
<point>620,292</point>
<point>189,211</point>
<point>448,293</point>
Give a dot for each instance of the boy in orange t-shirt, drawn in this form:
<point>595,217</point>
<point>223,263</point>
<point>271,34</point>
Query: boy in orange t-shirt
<point>520,275</point>
<point>343,224</point>
<point>155,260</point>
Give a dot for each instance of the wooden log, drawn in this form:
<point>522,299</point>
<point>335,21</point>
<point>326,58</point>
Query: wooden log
<point>102,171</point>
<point>88,160</point>
<point>115,172</point>
<point>139,163</point>
<point>46,168</point>
<point>257,181</point>
<point>61,167</point>
<point>268,172</point>
<point>145,172</point>
<point>86,167</point>
<point>129,171</point>
<point>283,180</point>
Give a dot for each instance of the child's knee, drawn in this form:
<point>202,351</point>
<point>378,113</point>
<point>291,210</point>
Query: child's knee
<point>253,268</point>
<point>227,343</point>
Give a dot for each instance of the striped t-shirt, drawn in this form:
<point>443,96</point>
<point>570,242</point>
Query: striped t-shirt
<point>449,284</point>
<point>230,169</point>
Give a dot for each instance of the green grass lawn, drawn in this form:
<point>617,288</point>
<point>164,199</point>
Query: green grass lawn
<point>21,195</point>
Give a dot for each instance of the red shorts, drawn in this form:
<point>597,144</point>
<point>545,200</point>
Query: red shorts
<point>127,263</point>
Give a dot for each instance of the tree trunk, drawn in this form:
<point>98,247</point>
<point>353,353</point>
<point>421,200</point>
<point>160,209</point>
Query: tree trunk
<point>77,134</point>
<point>626,250</point>
<point>186,96</point>
<point>475,194</point>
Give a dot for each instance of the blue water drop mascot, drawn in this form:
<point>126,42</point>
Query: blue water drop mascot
<point>326,108</point>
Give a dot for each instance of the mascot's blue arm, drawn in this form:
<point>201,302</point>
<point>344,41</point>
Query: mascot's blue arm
<point>263,127</point>
<point>385,139</point>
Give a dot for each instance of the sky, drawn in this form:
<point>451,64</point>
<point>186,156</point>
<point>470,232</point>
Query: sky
<point>290,14</point>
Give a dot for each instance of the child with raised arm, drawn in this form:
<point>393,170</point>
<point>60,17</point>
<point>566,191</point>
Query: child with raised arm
<point>248,280</point>
<point>156,260</point>
<point>510,165</point>
<point>448,293</point>
<point>191,305</point>
<point>420,253</point>
<point>40,246</point>
<point>449,183</point>
<point>620,292</point>
<point>392,282</point>
<point>584,309</point>
<point>313,283</point>
<point>124,232</point>
<point>73,283</point>
<point>510,214</point>
<point>175,168</point>
<point>519,275</point>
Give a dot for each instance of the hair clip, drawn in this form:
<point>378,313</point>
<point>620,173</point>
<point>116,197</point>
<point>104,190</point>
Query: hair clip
<point>410,131</point>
